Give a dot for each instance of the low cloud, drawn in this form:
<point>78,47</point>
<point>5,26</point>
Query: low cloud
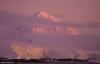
<point>28,52</point>
<point>92,24</point>
<point>86,55</point>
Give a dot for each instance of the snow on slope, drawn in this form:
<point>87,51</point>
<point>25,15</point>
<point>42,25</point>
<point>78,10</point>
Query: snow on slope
<point>46,25</point>
<point>45,15</point>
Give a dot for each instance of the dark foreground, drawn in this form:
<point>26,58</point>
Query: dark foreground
<point>67,62</point>
<point>44,61</point>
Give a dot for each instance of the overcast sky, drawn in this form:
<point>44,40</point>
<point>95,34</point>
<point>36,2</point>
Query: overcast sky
<point>88,10</point>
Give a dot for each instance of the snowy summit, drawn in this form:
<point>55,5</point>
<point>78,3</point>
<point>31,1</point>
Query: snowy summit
<point>46,15</point>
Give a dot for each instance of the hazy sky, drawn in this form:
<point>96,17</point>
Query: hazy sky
<point>71,9</point>
<point>81,10</point>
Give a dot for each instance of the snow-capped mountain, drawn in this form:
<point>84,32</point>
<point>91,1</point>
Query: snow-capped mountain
<point>44,23</point>
<point>45,15</point>
<point>41,31</point>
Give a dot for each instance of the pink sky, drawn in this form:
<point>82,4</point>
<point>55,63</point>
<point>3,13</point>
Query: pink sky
<point>88,10</point>
<point>82,10</point>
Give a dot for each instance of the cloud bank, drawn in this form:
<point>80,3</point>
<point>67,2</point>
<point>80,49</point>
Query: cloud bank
<point>24,52</point>
<point>86,55</point>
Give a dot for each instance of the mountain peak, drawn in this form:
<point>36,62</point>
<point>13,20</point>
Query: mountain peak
<point>43,14</point>
<point>46,15</point>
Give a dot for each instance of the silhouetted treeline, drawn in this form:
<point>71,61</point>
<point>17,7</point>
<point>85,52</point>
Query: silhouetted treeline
<point>42,60</point>
<point>70,59</point>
